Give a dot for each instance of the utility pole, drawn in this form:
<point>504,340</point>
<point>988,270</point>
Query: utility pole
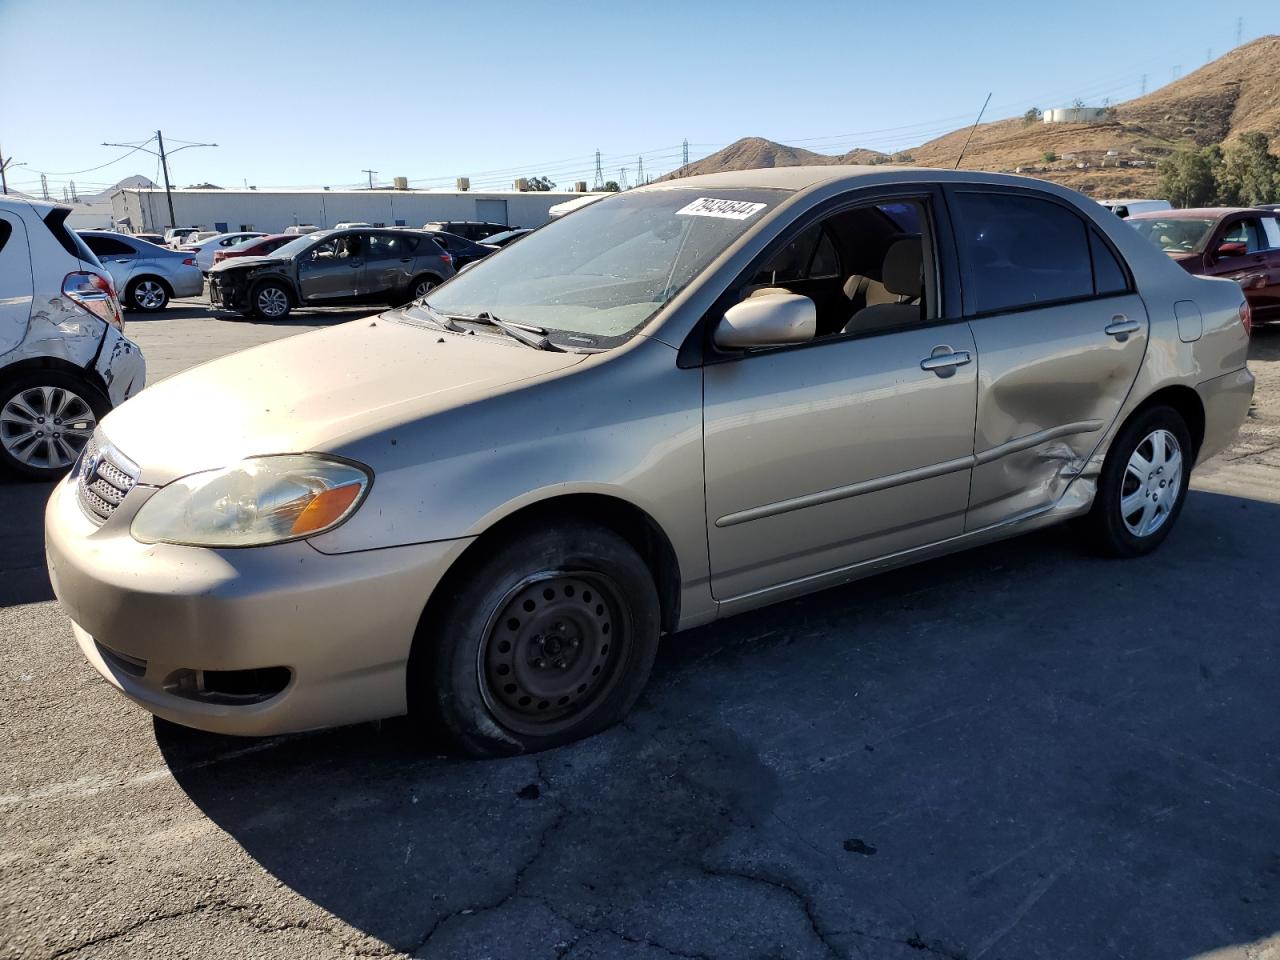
<point>5,164</point>
<point>164,163</point>
<point>370,173</point>
<point>1239,30</point>
<point>75,198</point>
<point>599,184</point>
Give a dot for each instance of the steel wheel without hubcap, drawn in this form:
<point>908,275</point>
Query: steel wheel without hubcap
<point>422,288</point>
<point>1151,484</point>
<point>551,651</point>
<point>150,295</point>
<point>46,427</point>
<point>272,302</point>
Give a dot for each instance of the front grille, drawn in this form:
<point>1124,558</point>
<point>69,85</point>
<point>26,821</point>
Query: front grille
<point>103,479</point>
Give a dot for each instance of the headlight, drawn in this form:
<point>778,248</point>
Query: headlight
<point>257,501</point>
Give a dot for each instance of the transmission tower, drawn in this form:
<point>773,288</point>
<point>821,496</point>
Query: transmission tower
<point>1144,85</point>
<point>640,172</point>
<point>74,197</point>
<point>622,178</point>
<point>44,186</point>
<point>1239,30</point>
<point>685,162</point>
<point>599,184</point>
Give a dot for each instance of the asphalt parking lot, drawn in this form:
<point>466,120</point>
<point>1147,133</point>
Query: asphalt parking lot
<point>1017,752</point>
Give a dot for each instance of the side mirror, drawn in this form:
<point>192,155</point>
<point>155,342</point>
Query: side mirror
<point>773,320</point>
<point>1230,249</point>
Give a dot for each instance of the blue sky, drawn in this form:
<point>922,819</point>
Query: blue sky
<point>310,93</point>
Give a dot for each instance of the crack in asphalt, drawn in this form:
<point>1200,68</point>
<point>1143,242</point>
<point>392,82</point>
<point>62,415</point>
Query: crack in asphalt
<point>803,899</point>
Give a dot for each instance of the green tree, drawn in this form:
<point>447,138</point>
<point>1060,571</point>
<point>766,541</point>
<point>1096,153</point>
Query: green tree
<point>1249,173</point>
<point>1188,178</point>
<point>611,186</point>
<point>541,183</point>
<point>1050,156</point>
<point>1032,115</point>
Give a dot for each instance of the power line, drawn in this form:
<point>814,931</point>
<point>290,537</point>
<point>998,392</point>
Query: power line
<point>72,173</point>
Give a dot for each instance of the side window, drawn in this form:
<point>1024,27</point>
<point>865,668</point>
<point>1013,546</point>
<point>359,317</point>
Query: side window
<point>1271,232</point>
<point>791,263</point>
<point>1019,251</point>
<point>108,247</point>
<point>1108,275</point>
<point>384,246</point>
<point>6,231</point>
<point>826,262</point>
<point>337,248</point>
<point>1243,236</point>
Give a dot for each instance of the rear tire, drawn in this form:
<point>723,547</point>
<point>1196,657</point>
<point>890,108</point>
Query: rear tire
<point>1143,484</point>
<point>270,300</point>
<point>148,294</point>
<point>46,418</point>
<point>547,639</point>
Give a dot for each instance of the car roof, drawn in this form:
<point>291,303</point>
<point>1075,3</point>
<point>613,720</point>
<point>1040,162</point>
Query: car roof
<point>1191,213</point>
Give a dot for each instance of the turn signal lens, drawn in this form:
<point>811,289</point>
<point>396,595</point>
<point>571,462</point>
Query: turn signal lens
<point>326,509</point>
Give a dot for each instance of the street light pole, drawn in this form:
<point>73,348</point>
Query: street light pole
<point>4,166</point>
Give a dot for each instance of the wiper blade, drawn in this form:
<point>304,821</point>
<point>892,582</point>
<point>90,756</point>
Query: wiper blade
<point>526,333</point>
<point>442,320</point>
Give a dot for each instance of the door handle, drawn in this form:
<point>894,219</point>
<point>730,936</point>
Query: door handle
<point>943,361</point>
<point>1120,327</point>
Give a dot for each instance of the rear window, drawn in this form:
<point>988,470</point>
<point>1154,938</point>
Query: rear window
<point>1021,251</point>
<point>108,246</point>
<point>68,239</point>
<point>5,232</point>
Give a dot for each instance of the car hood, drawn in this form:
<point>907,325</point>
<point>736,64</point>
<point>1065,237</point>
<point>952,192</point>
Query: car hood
<point>314,392</point>
<point>240,263</point>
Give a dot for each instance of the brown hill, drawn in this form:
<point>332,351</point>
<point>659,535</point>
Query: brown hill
<point>1235,94</point>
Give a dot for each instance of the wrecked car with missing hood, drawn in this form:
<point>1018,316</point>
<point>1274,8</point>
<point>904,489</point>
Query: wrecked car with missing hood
<point>64,358</point>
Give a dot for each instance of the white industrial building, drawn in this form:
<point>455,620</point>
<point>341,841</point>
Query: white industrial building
<point>145,210</point>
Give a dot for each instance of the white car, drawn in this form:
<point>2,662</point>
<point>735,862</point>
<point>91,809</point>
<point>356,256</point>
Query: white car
<point>64,358</point>
<point>205,249</point>
<point>195,239</point>
<point>1126,208</point>
<point>301,229</point>
<point>175,236</point>
<point>347,225</point>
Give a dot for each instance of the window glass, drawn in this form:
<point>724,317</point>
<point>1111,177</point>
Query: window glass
<point>1108,275</point>
<point>905,215</point>
<point>6,230</point>
<point>1271,232</point>
<point>108,247</point>
<point>792,261</point>
<point>337,248</point>
<point>1174,234</point>
<point>383,246</point>
<point>826,262</point>
<point>1020,251</point>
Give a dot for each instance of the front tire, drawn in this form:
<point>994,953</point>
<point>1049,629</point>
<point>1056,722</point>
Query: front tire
<point>46,418</point>
<point>147,294</point>
<point>1143,484</point>
<point>548,639</point>
<point>270,300</point>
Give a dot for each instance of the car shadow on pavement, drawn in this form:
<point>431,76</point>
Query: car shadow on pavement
<point>998,753</point>
<point>23,575</point>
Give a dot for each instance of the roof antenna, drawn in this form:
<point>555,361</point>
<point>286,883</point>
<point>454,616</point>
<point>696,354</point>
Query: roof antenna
<point>971,129</point>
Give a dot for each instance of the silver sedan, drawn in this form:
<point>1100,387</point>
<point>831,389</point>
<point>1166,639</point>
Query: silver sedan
<point>147,276</point>
<point>681,402</point>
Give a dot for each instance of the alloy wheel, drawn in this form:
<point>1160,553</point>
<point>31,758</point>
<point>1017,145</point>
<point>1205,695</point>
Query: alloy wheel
<point>272,302</point>
<point>1152,483</point>
<point>149,295</point>
<point>552,650</point>
<point>46,427</point>
<point>423,288</point>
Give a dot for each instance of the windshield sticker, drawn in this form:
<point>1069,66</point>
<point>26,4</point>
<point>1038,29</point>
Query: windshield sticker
<point>724,209</point>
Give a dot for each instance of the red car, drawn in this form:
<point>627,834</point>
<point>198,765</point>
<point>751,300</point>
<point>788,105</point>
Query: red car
<point>258,247</point>
<point>1240,243</point>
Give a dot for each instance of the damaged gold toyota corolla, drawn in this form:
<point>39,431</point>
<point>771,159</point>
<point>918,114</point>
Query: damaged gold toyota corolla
<point>678,403</point>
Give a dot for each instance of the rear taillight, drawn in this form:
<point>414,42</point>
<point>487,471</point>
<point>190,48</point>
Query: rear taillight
<point>1246,316</point>
<point>94,293</point>
<point>189,262</point>
<point>219,256</point>
<point>447,258</point>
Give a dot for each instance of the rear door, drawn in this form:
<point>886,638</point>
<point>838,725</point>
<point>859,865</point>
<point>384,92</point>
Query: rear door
<point>116,256</point>
<point>388,263</point>
<point>1060,334</point>
<point>16,288</point>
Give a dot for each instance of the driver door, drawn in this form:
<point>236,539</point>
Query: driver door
<point>332,271</point>
<point>1240,251</point>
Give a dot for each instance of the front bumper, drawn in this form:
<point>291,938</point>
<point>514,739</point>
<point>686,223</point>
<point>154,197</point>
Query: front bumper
<point>121,365</point>
<point>226,291</point>
<point>148,617</point>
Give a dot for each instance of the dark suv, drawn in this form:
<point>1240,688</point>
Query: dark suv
<point>332,268</point>
<point>474,230</point>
